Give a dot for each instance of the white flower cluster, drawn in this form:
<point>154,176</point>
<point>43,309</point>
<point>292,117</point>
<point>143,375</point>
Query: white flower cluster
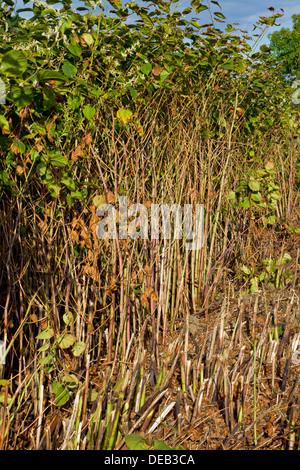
<point>97,3</point>
<point>131,81</point>
<point>130,50</point>
<point>53,31</point>
<point>25,46</point>
<point>104,50</point>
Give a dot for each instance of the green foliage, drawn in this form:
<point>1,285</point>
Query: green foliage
<point>61,394</point>
<point>138,442</point>
<point>162,107</point>
<point>135,442</point>
<point>64,340</point>
<point>285,44</point>
<point>14,63</point>
<point>82,65</point>
<point>259,193</point>
<point>272,272</point>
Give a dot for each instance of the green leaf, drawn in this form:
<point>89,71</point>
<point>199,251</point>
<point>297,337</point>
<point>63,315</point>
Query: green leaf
<point>54,188</point>
<point>21,146</point>
<point>78,348</point>
<point>58,160</point>
<point>61,394</point>
<point>68,181</point>
<point>271,220</point>
<point>74,49</point>
<point>89,112</point>
<point>68,318</point>
<point>286,257</point>
<point>262,277</point>
<point>147,20</point>
<point>88,38</point>
<point>70,378</point>
<point>45,347</point>
<point>14,63</point>
<point>133,92</point>
<point>219,15</point>
<point>256,197</point>
<point>4,124</point>
<point>77,195</point>
<point>69,70</point>
<point>4,382</point>
<point>164,75</point>
<point>45,75</point>
<point>275,196</point>
<point>116,4</point>
<point>246,270</point>
<point>119,384</point>
<point>263,205</point>
<point>146,68</point>
<point>241,67</point>
<point>41,169</point>
<point>21,96</point>
<point>231,195</point>
<point>2,398</point>
<point>229,65</point>
<point>245,203</point>
<point>229,28</point>
<point>161,445</point>
<point>196,24</point>
<point>135,442</point>
<point>74,101</point>
<point>46,360</point>
<point>198,7</point>
<point>254,285</point>
<point>66,341</point>
<point>264,48</point>
<point>66,25</point>
<point>46,334</point>
<point>254,185</point>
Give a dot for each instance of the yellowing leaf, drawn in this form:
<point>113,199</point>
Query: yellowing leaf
<point>68,318</point>
<point>88,38</point>
<point>124,115</point>
<point>66,341</point>
<point>78,348</point>
<point>99,200</point>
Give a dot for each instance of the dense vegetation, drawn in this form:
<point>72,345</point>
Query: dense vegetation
<point>285,44</point>
<point>133,342</point>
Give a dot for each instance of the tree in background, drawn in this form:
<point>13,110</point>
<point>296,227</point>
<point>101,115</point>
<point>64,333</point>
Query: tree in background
<point>286,47</point>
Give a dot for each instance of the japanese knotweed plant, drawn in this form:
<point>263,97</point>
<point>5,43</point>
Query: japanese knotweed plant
<point>259,194</point>
<point>66,381</point>
<point>271,271</point>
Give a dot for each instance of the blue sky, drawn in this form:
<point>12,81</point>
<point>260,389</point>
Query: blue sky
<point>246,13</point>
